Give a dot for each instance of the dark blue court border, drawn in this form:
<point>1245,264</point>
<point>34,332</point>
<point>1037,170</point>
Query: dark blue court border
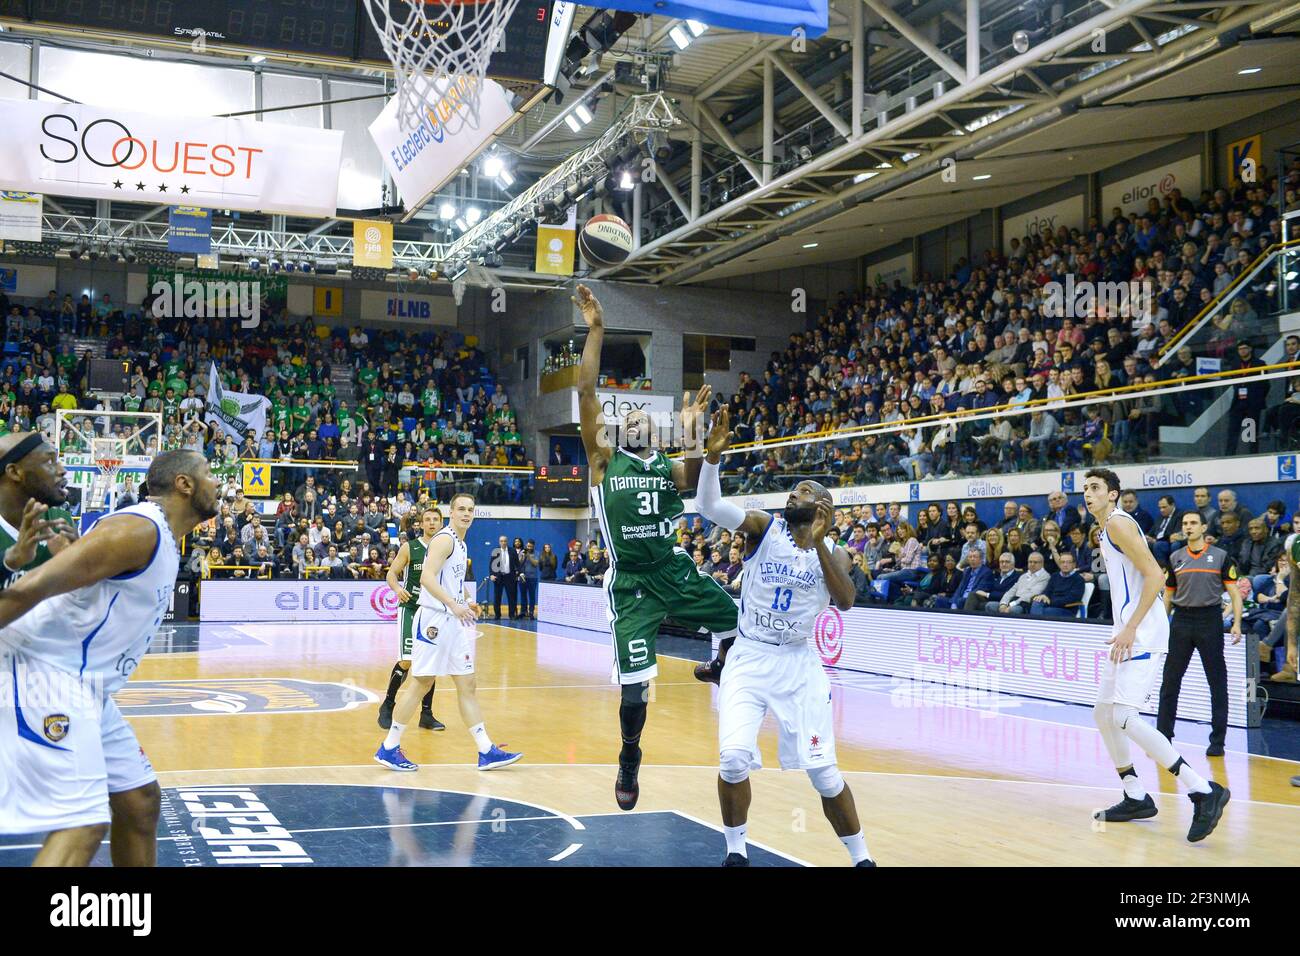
<point>364,825</point>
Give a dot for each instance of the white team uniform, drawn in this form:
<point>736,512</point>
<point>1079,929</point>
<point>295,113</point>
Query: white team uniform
<point>441,644</point>
<point>771,667</point>
<point>64,745</point>
<point>1131,681</point>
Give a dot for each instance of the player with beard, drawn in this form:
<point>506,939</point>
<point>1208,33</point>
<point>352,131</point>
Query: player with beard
<point>33,484</point>
<point>71,633</point>
<point>792,572</point>
<point>637,494</point>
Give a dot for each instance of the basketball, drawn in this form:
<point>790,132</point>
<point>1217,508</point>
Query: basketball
<point>605,240</point>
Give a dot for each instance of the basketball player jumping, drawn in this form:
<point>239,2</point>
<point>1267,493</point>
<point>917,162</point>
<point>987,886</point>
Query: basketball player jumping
<point>637,497</point>
<point>404,578</point>
<point>444,644</point>
<point>1137,650</point>
<point>73,631</point>
<point>792,572</point>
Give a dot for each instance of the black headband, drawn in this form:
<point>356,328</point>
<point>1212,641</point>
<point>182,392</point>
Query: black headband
<point>22,450</point>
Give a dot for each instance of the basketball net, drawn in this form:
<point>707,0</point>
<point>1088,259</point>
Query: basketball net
<point>440,50</point>
<point>106,452</point>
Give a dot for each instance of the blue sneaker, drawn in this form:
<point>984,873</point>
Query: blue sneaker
<point>496,758</point>
<point>394,759</point>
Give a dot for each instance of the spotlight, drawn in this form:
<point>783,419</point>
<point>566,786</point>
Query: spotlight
<point>505,180</point>
<point>446,212</point>
<point>254,264</point>
<point>697,28</point>
<point>625,181</point>
<point>462,225</point>
<point>92,253</point>
<point>273,265</point>
<point>572,123</point>
<point>680,37</point>
<point>473,214</point>
<point>492,167</point>
<point>128,253</point>
<point>304,265</point>
<point>76,251</point>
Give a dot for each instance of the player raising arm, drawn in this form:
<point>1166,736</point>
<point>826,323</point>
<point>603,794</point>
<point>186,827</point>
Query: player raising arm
<point>792,573</point>
<point>636,493</point>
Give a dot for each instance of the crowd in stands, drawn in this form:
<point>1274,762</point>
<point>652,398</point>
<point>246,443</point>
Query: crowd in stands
<point>983,337</point>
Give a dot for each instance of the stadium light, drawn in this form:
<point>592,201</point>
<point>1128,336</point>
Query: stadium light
<point>505,180</point>
<point>446,212</point>
<point>493,166</point>
<point>572,123</point>
<point>625,181</point>
<point>697,28</point>
<point>473,214</point>
<point>583,114</point>
<point>680,37</point>
<point>462,225</point>
<point>1249,70</point>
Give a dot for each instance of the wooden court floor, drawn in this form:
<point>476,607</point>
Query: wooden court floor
<point>284,709</point>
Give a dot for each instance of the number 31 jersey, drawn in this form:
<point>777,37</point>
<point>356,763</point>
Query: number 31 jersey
<point>637,506</point>
<point>782,590</point>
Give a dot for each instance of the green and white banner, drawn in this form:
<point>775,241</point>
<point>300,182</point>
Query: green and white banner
<point>236,411</point>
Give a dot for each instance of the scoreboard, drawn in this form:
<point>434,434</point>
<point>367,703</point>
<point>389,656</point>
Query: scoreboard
<point>560,486</point>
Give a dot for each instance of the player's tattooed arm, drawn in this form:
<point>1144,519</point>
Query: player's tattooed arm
<point>835,561</point>
<point>595,440</point>
<point>118,544</point>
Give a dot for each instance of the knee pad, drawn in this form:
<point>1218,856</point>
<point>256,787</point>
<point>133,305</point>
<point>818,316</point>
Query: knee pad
<point>636,695</point>
<point>1123,714</point>
<point>828,781</point>
<point>733,766</point>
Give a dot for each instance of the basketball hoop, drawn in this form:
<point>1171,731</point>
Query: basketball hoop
<point>108,456</point>
<point>440,51</point>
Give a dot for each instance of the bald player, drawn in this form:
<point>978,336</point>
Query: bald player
<point>72,631</point>
<point>792,572</point>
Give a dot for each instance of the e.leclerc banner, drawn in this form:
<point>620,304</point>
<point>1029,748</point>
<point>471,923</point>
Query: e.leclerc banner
<point>73,149</point>
<point>420,160</point>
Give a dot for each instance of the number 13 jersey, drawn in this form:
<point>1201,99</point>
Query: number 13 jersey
<point>637,506</point>
<point>782,589</point>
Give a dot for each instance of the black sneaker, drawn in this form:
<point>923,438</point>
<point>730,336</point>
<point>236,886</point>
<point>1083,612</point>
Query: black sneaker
<point>626,789</point>
<point>709,672</point>
<point>1128,809</point>
<point>866,863</point>
<point>386,714</point>
<point>430,722</point>
<point>736,859</point>
<point>1214,750</point>
<point>1209,807</point>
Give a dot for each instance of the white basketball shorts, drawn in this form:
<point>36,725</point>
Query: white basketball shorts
<point>63,750</point>
<point>441,645</point>
<point>788,681</point>
<point>1132,681</point>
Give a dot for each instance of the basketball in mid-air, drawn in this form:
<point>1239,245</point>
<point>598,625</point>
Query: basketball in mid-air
<point>605,240</point>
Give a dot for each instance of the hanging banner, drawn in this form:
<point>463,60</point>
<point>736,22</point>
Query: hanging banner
<point>1244,158</point>
<point>372,244</point>
<point>420,160</point>
<point>1134,193</point>
<point>189,230</point>
<point>20,216</point>
<point>107,153</point>
<point>555,245</point>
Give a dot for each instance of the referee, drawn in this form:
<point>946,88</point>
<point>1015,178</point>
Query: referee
<point>1198,576</point>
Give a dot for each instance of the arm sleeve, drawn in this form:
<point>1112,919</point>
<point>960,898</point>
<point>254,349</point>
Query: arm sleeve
<point>708,499</point>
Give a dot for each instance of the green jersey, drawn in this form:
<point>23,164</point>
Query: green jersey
<point>9,537</point>
<point>411,581</point>
<point>637,505</point>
